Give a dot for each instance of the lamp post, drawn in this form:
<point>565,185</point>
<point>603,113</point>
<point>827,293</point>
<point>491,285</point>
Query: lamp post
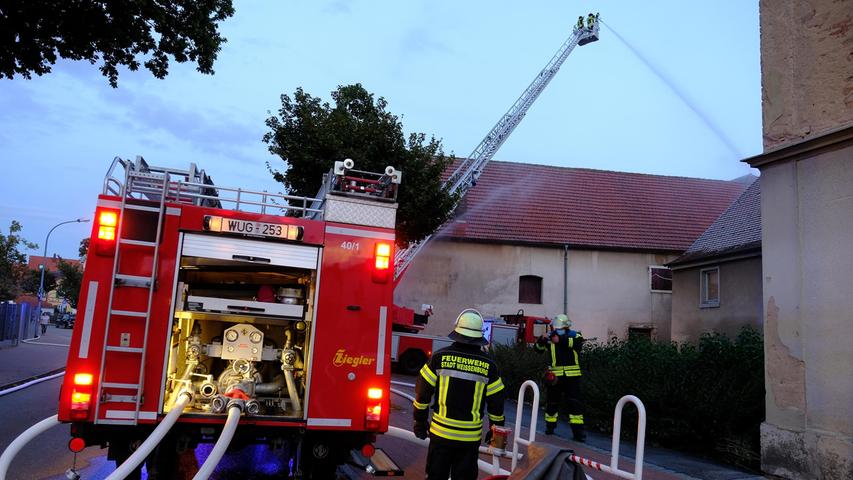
<point>44,265</point>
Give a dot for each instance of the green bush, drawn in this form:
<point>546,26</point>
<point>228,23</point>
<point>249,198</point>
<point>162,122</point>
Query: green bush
<point>517,364</point>
<point>706,398</point>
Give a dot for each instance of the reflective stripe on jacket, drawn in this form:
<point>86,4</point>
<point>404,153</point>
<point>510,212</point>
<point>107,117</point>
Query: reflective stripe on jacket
<point>459,381</point>
<point>564,354</point>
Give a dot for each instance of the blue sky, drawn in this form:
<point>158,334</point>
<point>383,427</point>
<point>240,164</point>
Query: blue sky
<point>449,69</point>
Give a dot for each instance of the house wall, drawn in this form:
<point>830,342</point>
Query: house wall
<point>807,227</point>
<point>806,62</point>
<point>607,291</point>
<point>807,222</point>
<point>740,300</point>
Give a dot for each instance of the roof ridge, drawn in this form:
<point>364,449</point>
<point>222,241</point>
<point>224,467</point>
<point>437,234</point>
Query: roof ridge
<point>620,172</point>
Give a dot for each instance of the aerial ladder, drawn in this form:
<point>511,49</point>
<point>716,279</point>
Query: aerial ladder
<point>464,177</point>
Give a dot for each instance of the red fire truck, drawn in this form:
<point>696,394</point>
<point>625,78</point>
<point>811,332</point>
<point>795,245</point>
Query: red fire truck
<point>201,297</point>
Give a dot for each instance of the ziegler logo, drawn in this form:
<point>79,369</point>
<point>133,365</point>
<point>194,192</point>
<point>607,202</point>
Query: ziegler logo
<point>341,359</point>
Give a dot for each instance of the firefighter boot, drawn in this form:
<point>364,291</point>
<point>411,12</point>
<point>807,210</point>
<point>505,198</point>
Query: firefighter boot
<point>578,434</point>
<point>549,427</point>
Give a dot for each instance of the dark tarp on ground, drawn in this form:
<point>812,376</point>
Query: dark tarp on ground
<point>546,462</point>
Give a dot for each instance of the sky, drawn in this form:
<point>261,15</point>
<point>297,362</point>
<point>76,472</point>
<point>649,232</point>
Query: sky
<point>671,88</point>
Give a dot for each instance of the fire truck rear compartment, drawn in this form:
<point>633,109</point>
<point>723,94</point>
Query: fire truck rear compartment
<point>241,332</point>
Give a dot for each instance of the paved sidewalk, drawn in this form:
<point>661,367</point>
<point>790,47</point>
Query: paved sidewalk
<point>34,358</point>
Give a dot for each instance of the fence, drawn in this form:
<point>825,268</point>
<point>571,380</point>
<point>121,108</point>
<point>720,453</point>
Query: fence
<point>17,322</point>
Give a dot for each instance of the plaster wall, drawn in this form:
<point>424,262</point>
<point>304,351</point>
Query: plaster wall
<point>806,67</point>
<point>807,225</point>
<point>607,291</point>
<point>740,300</point>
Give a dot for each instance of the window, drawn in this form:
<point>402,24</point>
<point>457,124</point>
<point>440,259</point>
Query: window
<point>709,287</point>
<point>640,333</point>
<point>529,289</point>
<point>660,279</point>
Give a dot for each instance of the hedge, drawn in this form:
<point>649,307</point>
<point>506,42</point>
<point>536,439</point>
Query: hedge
<point>706,398</point>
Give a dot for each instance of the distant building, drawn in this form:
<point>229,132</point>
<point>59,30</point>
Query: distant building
<point>548,239</point>
<point>716,283</point>
<point>51,299</point>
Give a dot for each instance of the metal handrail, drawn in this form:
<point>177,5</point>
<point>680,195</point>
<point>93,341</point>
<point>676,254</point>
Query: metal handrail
<point>196,189</point>
<point>534,414</point>
<point>613,468</point>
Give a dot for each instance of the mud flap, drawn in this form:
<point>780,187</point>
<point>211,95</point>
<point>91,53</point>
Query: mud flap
<point>379,465</point>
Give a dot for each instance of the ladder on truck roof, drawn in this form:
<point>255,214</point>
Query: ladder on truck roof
<point>155,185</point>
<point>466,173</point>
<point>194,187</point>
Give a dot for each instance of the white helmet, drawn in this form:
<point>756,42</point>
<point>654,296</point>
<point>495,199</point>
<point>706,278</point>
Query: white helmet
<point>562,321</point>
<point>469,328</point>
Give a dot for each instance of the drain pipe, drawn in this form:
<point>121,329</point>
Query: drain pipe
<point>566,279</point>
<point>235,408</point>
<point>18,443</point>
<point>154,439</point>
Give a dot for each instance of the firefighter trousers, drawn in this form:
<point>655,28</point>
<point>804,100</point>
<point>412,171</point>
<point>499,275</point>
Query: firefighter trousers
<point>565,393</point>
<point>451,458</point>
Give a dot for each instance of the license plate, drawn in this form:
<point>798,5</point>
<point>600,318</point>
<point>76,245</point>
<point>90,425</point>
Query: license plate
<point>247,227</point>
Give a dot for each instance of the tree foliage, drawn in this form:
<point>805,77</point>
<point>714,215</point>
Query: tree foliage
<point>310,135</point>
<point>71,279</point>
<point>83,249</point>
<point>118,33</point>
<point>33,280</point>
<point>13,262</point>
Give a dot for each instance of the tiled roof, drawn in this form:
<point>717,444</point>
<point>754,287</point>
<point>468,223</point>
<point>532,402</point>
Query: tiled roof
<point>546,205</point>
<point>738,229</point>
<point>33,262</point>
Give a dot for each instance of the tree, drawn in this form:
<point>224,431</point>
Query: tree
<point>13,263</point>
<point>83,249</point>
<point>309,136</point>
<point>117,32</point>
<point>33,280</point>
<point>68,286</point>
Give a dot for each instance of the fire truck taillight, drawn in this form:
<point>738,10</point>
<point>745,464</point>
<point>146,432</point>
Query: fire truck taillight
<point>105,244</point>
<point>382,263</point>
<point>107,223</point>
<point>81,396</point>
<point>373,416</point>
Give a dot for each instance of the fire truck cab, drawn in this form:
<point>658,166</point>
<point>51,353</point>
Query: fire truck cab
<point>277,302</point>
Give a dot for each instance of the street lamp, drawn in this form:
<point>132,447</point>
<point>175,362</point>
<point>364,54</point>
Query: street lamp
<point>44,265</point>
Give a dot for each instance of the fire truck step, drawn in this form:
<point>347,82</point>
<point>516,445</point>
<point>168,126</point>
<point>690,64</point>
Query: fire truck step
<point>128,313</point>
<point>132,280</point>
<point>131,206</point>
<point>110,398</point>
<point>130,386</point>
<point>113,348</point>
<point>138,243</point>
<point>379,465</point>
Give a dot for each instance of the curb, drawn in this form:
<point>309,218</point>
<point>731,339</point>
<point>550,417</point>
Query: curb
<point>21,384</point>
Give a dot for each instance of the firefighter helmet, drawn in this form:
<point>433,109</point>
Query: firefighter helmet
<point>562,321</point>
<point>469,328</point>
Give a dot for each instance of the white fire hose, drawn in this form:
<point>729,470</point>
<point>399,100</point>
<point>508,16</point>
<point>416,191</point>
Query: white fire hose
<point>18,444</point>
<point>153,440</point>
<point>234,411</point>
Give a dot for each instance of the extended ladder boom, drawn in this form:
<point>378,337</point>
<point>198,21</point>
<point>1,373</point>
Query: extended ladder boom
<point>465,175</point>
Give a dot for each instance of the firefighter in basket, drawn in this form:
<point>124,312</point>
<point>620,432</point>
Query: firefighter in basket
<point>455,379</point>
<point>562,380</point>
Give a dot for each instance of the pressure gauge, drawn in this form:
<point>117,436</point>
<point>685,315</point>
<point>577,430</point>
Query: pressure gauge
<point>255,337</point>
<point>231,335</point>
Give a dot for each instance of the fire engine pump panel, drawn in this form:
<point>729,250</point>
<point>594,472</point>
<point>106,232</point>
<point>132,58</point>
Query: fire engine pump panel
<point>241,329</point>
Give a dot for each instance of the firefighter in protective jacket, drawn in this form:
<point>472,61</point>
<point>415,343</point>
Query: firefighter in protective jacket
<point>459,381</point>
<point>564,375</point>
